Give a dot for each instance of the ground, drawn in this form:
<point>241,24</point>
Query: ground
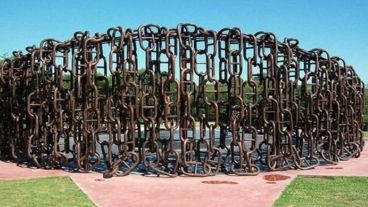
<point>49,191</point>
<point>325,191</point>
<point>137,190</point>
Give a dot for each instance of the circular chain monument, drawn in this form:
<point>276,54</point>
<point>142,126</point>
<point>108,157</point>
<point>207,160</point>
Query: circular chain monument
<point>178,101</point>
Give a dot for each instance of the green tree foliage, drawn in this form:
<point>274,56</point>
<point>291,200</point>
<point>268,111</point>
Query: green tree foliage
<point>223,95</point>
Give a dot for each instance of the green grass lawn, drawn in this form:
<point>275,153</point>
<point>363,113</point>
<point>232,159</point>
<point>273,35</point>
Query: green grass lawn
<point>325,191</point>
<point>51,191</point>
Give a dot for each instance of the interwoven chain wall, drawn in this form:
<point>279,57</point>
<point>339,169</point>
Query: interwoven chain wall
<point>178,101</point>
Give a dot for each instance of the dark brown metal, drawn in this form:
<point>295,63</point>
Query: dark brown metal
<point>186,101</point>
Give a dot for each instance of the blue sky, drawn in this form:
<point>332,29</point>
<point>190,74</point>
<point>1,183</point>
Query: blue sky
<point>339,26</point>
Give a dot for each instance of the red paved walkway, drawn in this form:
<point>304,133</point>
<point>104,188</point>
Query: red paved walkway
<point>137,190</point>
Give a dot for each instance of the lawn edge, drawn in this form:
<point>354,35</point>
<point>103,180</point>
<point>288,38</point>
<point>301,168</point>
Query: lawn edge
<point>30,178</point>
<point>292,178</point>
<point>84,191</point>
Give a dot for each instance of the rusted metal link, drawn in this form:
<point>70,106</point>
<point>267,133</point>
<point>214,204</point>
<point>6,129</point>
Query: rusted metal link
<point>172,101</point>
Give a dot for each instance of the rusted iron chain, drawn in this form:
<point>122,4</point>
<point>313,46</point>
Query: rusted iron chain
<point>185,100</point>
